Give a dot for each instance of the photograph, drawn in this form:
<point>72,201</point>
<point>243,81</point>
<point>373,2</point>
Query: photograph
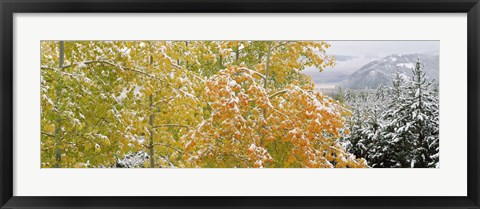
<point>239,104</point>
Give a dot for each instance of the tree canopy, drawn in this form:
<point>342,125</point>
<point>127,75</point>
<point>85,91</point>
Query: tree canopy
<point>217,104</point>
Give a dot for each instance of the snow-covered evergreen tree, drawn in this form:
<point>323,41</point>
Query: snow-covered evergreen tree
<point>365,123</point>
<point>412,123</point>
<point>395,148</point>
<point>396,126</point>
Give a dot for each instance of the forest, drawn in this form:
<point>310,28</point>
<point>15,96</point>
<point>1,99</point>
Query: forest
<point>225,104</point>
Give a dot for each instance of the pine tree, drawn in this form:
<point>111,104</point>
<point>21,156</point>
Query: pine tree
<point>412,129</point>
<point>424,104</point>
<point>393,148</point>
<point>397,126</point>
<point>365,125</point>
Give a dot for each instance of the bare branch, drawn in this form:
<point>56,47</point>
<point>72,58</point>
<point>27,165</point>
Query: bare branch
<point>278,93</point>
<point>171,125</point>
<point>47,68</point>
<point>243,69</point>
<point>168,146</point>
<point>48,134</point>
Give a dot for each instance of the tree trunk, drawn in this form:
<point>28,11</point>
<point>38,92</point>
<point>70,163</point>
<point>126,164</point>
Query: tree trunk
<point>150,122</point>
<point>58,120</point>
<point>265,85</point>
<point>268,65</point>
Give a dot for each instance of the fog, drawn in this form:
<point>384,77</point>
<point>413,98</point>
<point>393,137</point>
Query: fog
<point>352,55</point>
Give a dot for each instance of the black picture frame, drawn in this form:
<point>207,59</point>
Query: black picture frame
<point>9,7</point>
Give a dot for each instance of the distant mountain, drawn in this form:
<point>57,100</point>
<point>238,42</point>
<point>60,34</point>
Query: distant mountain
<point>382,71</point>
<point>342,58</point>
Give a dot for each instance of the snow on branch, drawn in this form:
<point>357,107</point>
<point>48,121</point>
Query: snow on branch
<point>171,125</point>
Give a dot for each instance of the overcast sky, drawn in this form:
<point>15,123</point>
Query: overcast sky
<point>381,48</point>
<point>352,55</point>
